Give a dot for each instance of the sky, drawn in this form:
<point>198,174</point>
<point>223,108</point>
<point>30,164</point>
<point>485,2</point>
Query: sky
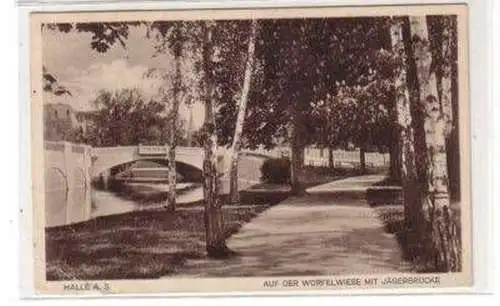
<point>85,72</point>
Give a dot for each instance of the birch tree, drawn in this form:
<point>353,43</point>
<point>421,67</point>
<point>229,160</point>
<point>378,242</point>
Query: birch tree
<point>234,195</point>
<point>453,144</point>
<point>170,37</point>
<point>404,126</point>
<point>214,226</point>
<point>436,199</point>
<point>172,141</point>
<point>443,33</point>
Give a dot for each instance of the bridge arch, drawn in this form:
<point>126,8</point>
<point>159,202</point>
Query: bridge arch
<point>108,157</point>
<point>188,172</point>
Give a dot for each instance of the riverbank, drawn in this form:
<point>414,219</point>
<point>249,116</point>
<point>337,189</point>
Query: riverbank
<point>137,245</point>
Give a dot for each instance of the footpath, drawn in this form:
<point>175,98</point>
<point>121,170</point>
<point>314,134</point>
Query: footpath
<point>330,231</point>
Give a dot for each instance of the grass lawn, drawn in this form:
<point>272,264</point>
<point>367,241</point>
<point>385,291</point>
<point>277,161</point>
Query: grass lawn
<point>136,245</point>
<point>314,176</point>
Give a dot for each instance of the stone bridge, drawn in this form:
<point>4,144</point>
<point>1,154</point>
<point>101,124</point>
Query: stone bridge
<point>70,168</point>
<point>108,157</point>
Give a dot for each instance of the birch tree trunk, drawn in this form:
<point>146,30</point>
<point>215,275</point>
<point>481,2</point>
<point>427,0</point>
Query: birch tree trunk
<point>445,71</point>
<point>214,227</point>
<point>234,194</point>
<point>404,126</point>
<point>447,92</point>
<point>436,201</point>
<point>172,171</point>
<point>450,118</point>
<point>454,139</point>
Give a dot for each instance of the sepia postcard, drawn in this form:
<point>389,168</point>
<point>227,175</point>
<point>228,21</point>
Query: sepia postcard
<point>260,151</point>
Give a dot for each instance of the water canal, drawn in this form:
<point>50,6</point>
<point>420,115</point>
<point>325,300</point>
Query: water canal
<point>147,191</point>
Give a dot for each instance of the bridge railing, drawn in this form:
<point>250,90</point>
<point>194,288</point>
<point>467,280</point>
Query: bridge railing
<point>60,146</point>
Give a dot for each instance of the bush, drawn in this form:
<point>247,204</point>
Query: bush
<point>276,171</point>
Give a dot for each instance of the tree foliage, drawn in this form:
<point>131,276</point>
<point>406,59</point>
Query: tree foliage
<point>50,84</point>
<point>104,34</point>
<point>301,62</point>
<point>125,118</point>
<point>356,115</point>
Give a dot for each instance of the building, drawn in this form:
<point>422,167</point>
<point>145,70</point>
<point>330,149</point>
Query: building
<point>59,122</point>
<point>63,123</point>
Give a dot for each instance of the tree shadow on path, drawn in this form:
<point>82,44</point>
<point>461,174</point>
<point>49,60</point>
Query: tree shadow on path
<point>318,238</point>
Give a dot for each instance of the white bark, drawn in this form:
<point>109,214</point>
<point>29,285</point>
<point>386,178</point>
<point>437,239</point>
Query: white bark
<point>445,70</point>
<point>214,227</point>
<point>435,124</point>
<point>437,211</point>
<point>172,171</point>
<point>233,170</point>
<point>412,203</point>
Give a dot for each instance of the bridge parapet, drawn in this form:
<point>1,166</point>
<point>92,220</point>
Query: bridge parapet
<point>108,157</point>
<point>61,145</point>
<point>67,180</point>
<point>67,157</point>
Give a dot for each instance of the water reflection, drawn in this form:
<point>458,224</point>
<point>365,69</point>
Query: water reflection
<point>66,206</point>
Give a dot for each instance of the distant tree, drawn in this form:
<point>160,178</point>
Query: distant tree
<point>125,117</point>
<point>355,114</point>
<point>301,61</point>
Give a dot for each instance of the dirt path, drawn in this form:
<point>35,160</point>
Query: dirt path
<point>318,234</point>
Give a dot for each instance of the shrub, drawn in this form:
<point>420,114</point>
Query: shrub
<point>276,171</point>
